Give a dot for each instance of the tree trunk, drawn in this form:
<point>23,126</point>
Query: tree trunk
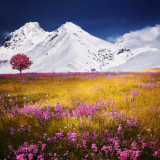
<point>20,71</point>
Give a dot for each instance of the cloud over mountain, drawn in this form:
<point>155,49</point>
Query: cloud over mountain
<point>147,38</point>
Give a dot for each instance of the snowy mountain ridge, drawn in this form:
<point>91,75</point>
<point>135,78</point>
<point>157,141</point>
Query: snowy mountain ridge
<point>67,49</point>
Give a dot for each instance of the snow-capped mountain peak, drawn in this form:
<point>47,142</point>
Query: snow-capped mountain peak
<point>31,24</point>
<point>71,28</point>
<point>70,25</point>
<point>30,29</point>
<point>25,38</point>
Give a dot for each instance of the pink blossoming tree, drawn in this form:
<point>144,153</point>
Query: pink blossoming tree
<point>20,62</point>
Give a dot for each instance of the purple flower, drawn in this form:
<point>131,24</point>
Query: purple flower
<point>132,122</point>
<point>72,137</point>
<point>43,147</point>
<point>157,153</point>
<point>12,131</point>
<point>59,135</point>
<point>124,155</point>
<point>94,147</point>
<point>119,128</point>
<point>30,156</point>
<point>20,157</point>
<point>10,148</point>
<point>134,145</point>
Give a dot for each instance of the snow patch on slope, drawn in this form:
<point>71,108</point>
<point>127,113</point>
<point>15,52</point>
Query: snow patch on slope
<point>142,61</point>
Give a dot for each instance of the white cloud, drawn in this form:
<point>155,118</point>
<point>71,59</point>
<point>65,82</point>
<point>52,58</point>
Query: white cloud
<point>148,37</point>
<point>4,33</point>
<point>111,39</point>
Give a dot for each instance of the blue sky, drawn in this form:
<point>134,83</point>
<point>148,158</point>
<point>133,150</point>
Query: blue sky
<point>105,19</point>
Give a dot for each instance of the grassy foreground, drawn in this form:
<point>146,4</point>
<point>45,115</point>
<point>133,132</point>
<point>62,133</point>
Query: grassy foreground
<point>80,116</point>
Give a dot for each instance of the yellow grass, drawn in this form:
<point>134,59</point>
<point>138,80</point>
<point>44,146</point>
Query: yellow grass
<point>69,92</point>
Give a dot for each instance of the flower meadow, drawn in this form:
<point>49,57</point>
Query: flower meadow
<point>80,116</point>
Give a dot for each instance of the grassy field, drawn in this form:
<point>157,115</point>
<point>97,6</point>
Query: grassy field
<point>80,116</point>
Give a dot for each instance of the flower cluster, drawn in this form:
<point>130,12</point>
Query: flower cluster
<point>90,144</point>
